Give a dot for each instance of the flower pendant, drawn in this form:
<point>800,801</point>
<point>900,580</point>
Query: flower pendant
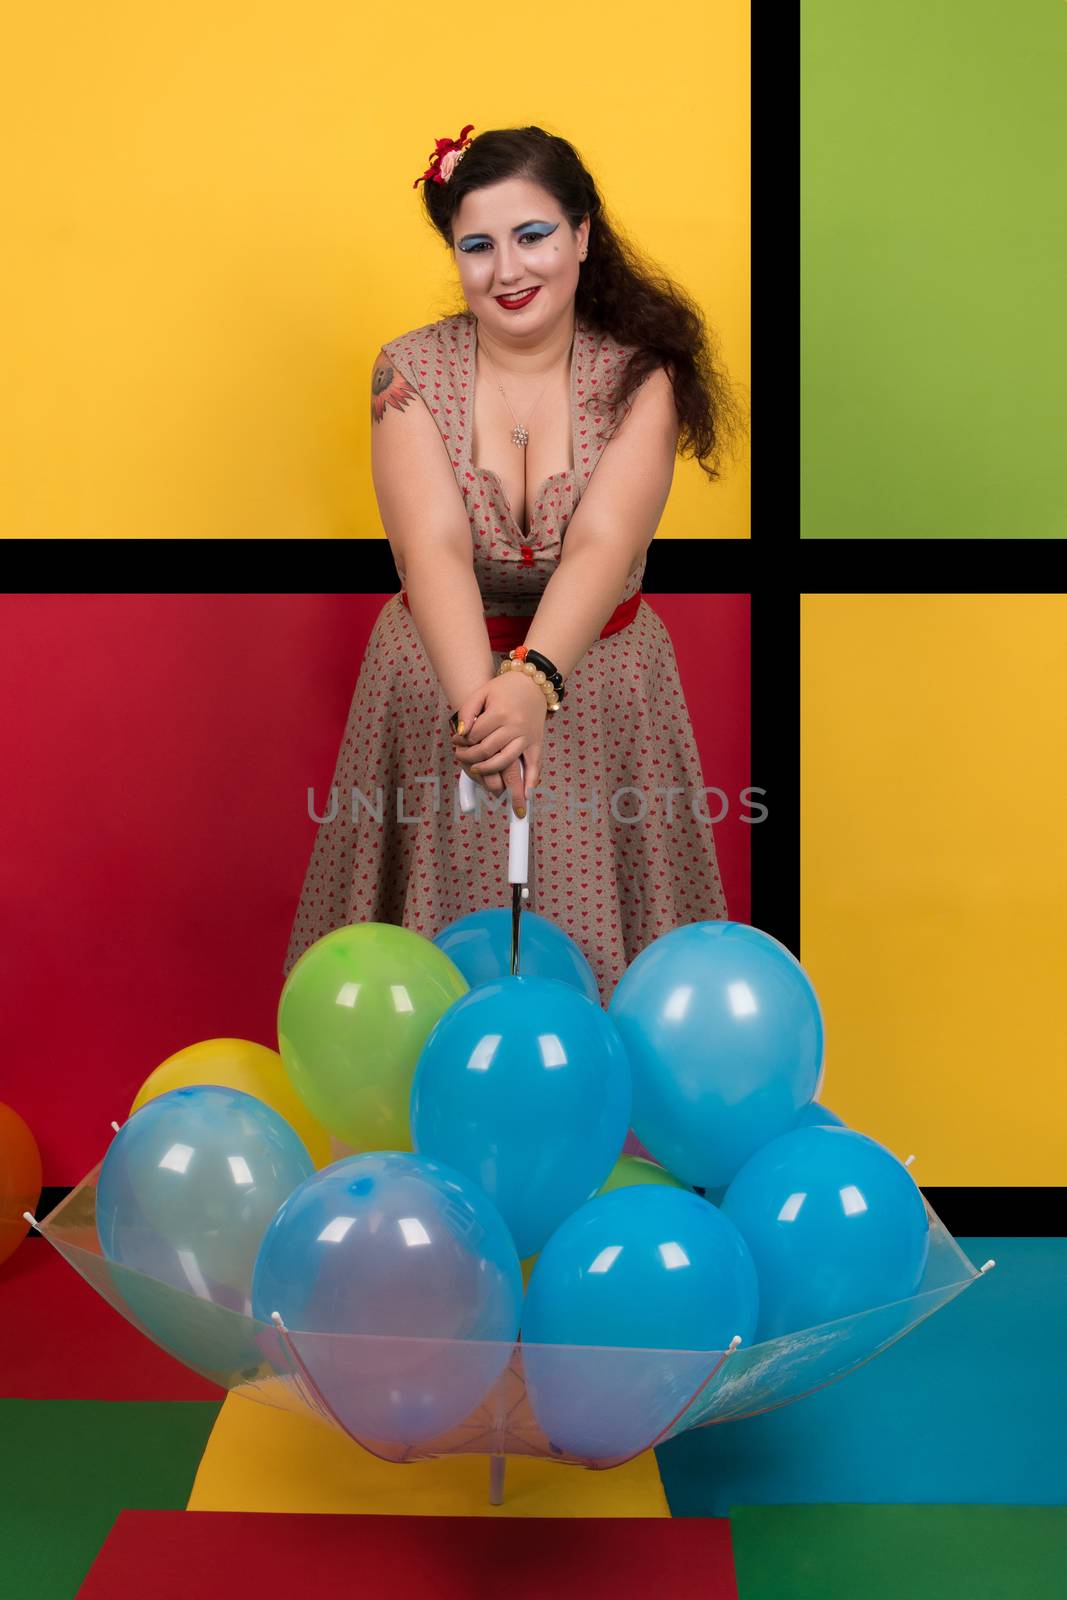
<point>519,436</point>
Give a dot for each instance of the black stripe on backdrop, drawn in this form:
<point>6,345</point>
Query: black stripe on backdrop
<point>1031,1213</point>
<point>683,566</point>
<point>672,565</point>
<point>826,566</point>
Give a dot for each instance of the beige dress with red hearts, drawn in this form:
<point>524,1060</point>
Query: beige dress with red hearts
<point>607,863</point>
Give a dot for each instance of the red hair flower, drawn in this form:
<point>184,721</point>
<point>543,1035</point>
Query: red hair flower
<point>444,158</point>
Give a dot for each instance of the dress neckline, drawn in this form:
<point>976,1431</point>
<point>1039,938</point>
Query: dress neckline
<point>467,437</point>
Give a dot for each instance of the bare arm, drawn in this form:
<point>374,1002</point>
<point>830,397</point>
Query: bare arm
<point>446,607</point>
<point>612,526</point>
<point>429,534</point>
<point>578,599</point>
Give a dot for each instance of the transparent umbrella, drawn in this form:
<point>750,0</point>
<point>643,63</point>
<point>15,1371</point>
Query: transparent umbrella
<point>595,1407</point>
<point>617,1402</point>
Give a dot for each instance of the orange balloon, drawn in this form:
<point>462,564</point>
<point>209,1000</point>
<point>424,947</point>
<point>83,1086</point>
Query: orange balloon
<point>20,1179</point>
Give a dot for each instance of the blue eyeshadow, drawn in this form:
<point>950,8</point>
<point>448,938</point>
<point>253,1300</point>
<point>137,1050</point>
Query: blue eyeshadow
<point>542,229</point>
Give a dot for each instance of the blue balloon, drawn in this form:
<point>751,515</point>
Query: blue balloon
<point>189,1186</point>
<point>835,1224</point>
<point>413,1260</point>
<point>817,1116</point>
<point>646,1269</point>
<point>524,1085</point>
<point>480,946</point>
<point>725,1039</point>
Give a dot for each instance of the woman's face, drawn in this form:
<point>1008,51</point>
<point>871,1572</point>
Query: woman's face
<point>512,236</point>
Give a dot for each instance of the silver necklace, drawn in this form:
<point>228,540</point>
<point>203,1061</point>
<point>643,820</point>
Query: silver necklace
<point>519,434</point>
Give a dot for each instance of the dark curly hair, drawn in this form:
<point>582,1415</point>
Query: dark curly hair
<point>619,291</point>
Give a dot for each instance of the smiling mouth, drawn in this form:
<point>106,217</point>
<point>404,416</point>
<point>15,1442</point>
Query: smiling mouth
<point>519,294</point>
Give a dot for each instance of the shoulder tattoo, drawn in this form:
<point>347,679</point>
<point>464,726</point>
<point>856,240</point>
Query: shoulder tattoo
<point>388,388</point>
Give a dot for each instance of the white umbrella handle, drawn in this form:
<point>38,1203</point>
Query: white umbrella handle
<point>518,829</point>
<point>467,796</point>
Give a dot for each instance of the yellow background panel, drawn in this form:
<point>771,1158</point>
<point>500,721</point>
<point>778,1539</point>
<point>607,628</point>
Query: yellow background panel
<point>211,229</point>
<point>934,874</point>
<point>259,1458</point>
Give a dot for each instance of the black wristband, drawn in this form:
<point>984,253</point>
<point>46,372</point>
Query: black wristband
<point>543,664</point>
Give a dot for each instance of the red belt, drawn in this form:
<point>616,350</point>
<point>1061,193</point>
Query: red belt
<point>507,633</point>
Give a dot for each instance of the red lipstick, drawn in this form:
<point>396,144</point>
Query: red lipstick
<point>516,302</point>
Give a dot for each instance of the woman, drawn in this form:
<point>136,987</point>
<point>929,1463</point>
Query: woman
<point>522,452</point>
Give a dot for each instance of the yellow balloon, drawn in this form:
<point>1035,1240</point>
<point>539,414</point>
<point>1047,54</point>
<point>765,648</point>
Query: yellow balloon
<point>527,1267</point>
<point>240,1064</point>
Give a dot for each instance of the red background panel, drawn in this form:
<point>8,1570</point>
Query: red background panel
<point>61,1340</point>
<point>216,1554</point>
<point>154,826</point>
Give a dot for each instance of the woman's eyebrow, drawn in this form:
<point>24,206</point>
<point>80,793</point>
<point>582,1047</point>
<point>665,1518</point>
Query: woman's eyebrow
<point>517,229</point>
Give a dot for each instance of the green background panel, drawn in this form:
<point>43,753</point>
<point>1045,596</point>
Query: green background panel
<point>933,248</point>
<point>900,1552</point>
<point>68,1467</point>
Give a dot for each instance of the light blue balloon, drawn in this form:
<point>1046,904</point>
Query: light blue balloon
<point>835,1223</point>
<point>645,1269</point>
<point>386,1268</point>
<point>480,946</point>
<point>725,1039</point>
<point>817,1116</point>
<point>524,1085</point>
<point>189,1186</point>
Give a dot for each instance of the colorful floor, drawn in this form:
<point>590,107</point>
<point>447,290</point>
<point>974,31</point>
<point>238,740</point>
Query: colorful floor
<point>937,1469</point>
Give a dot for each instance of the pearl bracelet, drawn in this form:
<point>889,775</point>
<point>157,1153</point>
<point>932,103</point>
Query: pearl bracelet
<point>549,681</point>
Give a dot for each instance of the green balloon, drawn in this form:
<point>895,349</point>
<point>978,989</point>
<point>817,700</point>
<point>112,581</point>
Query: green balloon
<point>629,1170</point>
<point>353,1017</point>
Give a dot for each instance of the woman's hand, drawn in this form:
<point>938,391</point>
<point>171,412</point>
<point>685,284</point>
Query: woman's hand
<point>504,720</point>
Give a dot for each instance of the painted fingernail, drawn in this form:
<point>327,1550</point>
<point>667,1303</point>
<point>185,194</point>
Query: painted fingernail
<point>520,811</point>
<point>462,728</point>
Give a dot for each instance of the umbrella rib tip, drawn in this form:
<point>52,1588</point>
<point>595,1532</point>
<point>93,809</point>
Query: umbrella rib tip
<point>989,1263</point>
